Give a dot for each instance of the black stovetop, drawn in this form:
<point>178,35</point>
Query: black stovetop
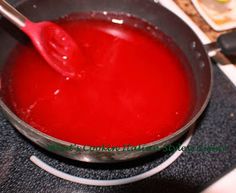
<point>189,173</point>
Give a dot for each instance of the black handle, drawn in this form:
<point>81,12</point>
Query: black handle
<point>227,43</point>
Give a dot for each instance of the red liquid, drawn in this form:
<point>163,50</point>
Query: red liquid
<point>133,89</point>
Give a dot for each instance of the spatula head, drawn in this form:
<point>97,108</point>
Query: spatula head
<point>56,46</point>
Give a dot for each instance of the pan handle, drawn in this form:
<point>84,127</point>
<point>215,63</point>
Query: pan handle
<point>227,43</point>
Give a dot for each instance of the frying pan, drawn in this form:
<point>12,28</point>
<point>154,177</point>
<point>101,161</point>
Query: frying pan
<point>151,11</point>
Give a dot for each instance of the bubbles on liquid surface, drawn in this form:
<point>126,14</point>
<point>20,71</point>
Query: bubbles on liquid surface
<point>202,64</point>
<point>56,92</point>
<point>148,28</point>
<point>81,75</point>
<point>198,55</point>
<point>194,45</point>
<point>65,57</point>
<point>118,21</point>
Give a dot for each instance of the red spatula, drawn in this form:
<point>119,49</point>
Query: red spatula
<point>51,41</point>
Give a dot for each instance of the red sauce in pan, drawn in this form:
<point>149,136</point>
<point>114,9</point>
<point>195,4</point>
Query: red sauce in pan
<point>134,87</point>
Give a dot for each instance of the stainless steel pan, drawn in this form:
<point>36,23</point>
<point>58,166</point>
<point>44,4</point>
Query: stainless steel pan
<point>151,11</point>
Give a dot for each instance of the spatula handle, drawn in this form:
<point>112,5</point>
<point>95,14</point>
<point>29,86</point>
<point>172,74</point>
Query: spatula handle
<point>10,13</point>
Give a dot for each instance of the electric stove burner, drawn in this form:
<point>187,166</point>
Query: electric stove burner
<point>113,182</point>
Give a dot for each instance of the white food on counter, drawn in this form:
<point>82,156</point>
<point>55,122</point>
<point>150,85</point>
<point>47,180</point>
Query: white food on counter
<point>220,16</point>
<point>219,10</point>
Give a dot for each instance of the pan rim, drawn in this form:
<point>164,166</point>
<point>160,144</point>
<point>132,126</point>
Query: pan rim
<point>182,130</point>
